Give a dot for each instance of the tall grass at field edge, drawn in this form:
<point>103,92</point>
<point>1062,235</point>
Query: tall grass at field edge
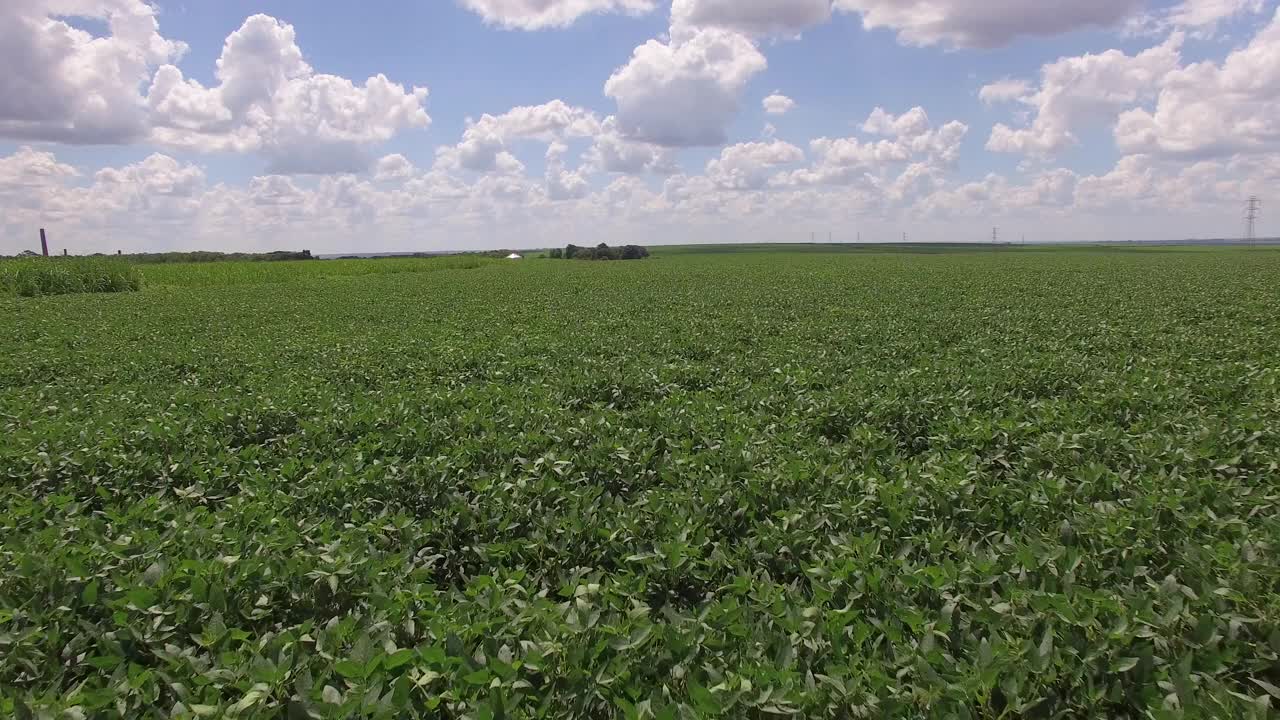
<point>34,277</point>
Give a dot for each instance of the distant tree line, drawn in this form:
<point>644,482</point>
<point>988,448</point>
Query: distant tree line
<point>601,252</point>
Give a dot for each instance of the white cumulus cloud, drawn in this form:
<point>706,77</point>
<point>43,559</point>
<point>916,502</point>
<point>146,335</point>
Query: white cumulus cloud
<point>684,92</point>
<point>748,166</point>
<point>393,167</point>
<point>751,17</point>
<point>778,104</point>
<point>1076,91</point>
<point>542,14</point>
<point>485,142</point>
<point>985,23</point>
<point>1208,108</point>
<point>64,84</point>
<point>611,152</point>
<point>562,184</point>
<point>1201,13</point>
<point>1201,18</point>
<point>28,168</point>
<point>269,100</point>
<point>910,140</point>
<point>157,175</point>
<point>1002,91</point>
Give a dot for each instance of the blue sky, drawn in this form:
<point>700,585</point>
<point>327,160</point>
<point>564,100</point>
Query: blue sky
<point>1107,137</point>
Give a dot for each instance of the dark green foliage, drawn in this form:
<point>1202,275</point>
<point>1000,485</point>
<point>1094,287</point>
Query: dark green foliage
<point>557,253</point>
<point>603,252</point>
<point>634,252</point>
<point>743,486</point>
<point>36,276</point>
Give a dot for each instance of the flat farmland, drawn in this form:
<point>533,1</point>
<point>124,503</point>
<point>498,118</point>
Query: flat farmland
<point>765,483</point>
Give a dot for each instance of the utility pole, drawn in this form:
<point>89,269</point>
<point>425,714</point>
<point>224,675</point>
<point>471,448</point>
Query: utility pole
<point>995,236</point>
<point>44,243</point>
<point>1252,211</point>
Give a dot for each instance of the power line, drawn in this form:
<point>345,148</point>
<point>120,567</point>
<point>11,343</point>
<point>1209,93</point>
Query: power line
<point>1252,211</point>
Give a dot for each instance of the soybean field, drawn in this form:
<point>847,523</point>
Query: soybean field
<point>1033,483</point>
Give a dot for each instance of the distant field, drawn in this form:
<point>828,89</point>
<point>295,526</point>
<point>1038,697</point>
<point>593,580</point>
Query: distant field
<point>216,274</point>
<point>745,482</point>
<point>935,248</point>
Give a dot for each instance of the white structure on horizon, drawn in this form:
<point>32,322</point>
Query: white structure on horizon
<point>515,256</point>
